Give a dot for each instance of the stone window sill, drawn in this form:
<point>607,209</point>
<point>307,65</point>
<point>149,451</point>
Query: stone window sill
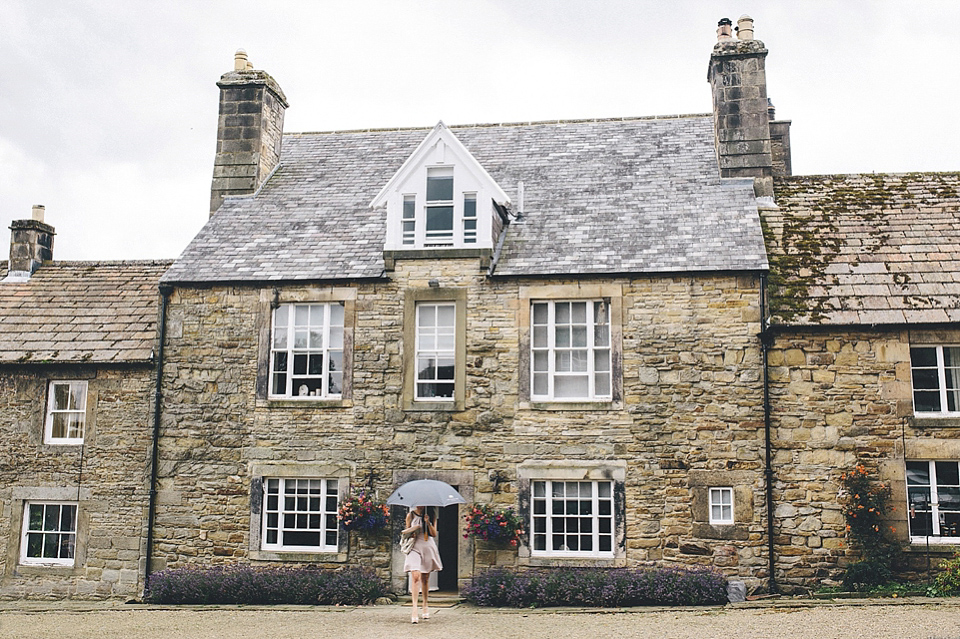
<point>38,570</point>
<point>578,406</point>
<point>312,402</point>
<point>300,557</point>
<point>933,422</point>
<point>737,532</point>
<point>573,562</point>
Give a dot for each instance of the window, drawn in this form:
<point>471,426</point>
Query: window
<point>439,211</point>
<point>300,515</point>
<point>572,518</point>
<point>469,218</point>
<point>49,533</point>
<point>306,356</point>
<point>721,506</point>
<point>936,379</point>
<point>436,351</point>
<point>66,413</point>
<point>570,350</point>
<point>933,499</point>
<point>409,220</point>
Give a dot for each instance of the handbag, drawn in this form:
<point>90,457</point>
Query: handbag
<point>406,543</point>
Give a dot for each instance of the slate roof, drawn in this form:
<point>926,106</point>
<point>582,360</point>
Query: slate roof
<point>600,196</point>
<point>865,249</point>
<point>81,312</point>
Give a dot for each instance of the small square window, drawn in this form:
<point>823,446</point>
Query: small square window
<point>721,506</point>
<point>66,413</point>
<point>49,533</point>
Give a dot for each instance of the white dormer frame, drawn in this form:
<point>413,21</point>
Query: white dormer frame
<point>440,150</point>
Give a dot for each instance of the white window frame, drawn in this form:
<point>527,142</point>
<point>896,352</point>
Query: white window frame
<point>941,370</point>
<point>432,335</point>
<point>302,511</point>
<point>549,350</point>
<point>721,505</point>
<point>53,411</point>
<point>546,515</point>
<point>283,341</point>
<point>939,531</point>
<point>26,532</point>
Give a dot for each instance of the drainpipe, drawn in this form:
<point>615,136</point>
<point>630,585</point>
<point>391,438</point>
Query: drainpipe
<point>766,340</point>
<point>165,291</point>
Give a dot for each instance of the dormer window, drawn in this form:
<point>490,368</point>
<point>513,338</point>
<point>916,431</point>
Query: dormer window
<point>441,198</point>
<point>439,207</point>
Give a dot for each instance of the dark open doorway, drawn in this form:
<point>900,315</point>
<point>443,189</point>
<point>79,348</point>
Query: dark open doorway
<point>448,542</point>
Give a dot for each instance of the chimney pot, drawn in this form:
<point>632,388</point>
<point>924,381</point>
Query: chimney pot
<point>240,61</point>
<point>745,28</point>
<point>724,31</point>
<point>37,213</point>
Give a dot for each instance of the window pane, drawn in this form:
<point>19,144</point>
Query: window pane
<point>281,315</point>
<point>579,312</point>
<point>301,315</point>
<point>440,218</point>
<point>540,313</point>
<point>446,315</point>
<point>947,474</point>
<point>439,187</point>
<point>601,384</point>
<point>923,357</point>
<point>918,473</point>
<point>336,338</point>
<point>59,430</point>
<point>926,401</point>
<point>78,395</point>
<point>568,386</point>
<point>61,396</point>
<point>280,338</point>
<point>409,206</point>
<point>926,379</point>
<point>541,361</point>
<point>336,314</point>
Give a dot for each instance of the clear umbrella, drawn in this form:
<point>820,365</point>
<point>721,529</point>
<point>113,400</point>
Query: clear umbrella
<point>425,492</point>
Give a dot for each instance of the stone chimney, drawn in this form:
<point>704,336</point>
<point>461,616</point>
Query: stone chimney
<point>249,131</point>
<point>31,243</point>
<point>741,122</point>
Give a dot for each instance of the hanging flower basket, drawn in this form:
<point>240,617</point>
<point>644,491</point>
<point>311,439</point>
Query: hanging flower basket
<point>364,515</point>
<point>495,525</point>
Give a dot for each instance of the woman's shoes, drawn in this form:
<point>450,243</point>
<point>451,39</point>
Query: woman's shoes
<point>414,619</point>
<point>425,615</point>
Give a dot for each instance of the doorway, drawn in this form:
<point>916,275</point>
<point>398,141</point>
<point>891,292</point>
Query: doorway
<point>448,542</point>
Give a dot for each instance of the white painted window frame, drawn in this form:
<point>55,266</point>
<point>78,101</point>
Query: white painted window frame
<point>53,410</point>
<point>934,504</point>
<point>436,353</point>
<point>941,382</point>
<point>551,352</point>
<point>548,517</point>
<point>26,531</point>
<point>328,331</point>
<point>721,505</point>
<point>327,513</point>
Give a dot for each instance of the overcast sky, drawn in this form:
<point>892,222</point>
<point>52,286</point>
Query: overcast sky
<point>108,108</point>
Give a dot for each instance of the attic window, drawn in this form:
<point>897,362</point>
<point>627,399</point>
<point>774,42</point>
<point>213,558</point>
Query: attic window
<point>439,207</point>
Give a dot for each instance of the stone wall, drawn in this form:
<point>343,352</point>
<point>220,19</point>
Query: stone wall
<point>108,477</point>
<point>690,412</point>
<point>840,398</point>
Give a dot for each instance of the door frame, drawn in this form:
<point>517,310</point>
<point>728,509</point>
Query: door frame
<point>463,479</point>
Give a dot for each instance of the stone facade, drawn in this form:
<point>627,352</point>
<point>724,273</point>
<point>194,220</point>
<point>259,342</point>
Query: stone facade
<point>689,413</point>
<point>107,477</point>
<point>841,398</point>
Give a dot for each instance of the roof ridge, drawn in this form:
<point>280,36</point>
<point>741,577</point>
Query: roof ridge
<point>679,116</point>
<point>163,262</point>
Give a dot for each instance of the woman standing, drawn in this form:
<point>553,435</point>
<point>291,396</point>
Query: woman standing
<point>423,559</point>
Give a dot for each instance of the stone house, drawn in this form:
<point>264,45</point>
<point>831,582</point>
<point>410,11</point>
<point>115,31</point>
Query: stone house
<point>644,334</point>
<point>76,390</point>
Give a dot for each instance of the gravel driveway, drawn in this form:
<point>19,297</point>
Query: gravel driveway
<point>920,619</point>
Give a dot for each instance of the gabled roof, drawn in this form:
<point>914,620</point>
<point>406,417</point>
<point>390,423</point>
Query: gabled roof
<point>600,196</point>
<point>81,312</point>
<point>865,249</point>
<point>441,134</point>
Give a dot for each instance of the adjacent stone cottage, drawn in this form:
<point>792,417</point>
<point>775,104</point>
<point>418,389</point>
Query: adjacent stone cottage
<point>77,380</point>
<point>644,334</point>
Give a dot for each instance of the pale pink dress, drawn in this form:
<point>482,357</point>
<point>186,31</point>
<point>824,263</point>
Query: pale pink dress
<point>424,557</point>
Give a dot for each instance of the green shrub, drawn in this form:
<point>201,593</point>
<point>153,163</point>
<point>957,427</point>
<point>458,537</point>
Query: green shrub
<point>947,581</point>
<point>866,575</point>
